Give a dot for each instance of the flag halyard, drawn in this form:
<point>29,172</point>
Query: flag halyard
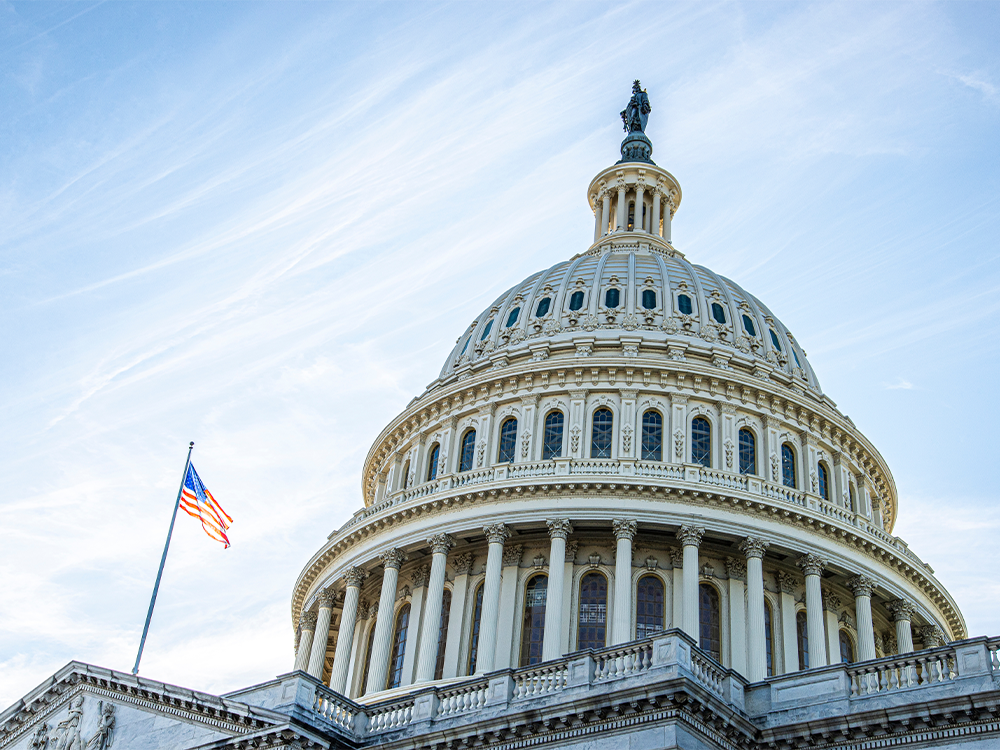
<point>198,502</point>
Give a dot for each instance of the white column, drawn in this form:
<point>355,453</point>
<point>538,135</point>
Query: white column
<point>621,623</point>
<point>378,667</point>
<point>321,637</point>
<point>506,655</point>
<point>597,217</point>
<point>831,603</point>
<point>812,566</point>
<point>690,538</point>
<point>862,586</point>
<point>902,611</point>
<point>754,550</point>
<point>496,535</point>
<point>736,569</point>
<point>789,632</point>
<point>559,529</point>
<point>677,588</point>
<point>430,632</point>
<point>622,205</point>
<point>307,626</point>
<point>637,222</point>
<point>456,615</point>
<point>354,685</point>
<point>605,212</point>
<point>345,633</point>
<point>418,598</point>
<point>654,224</point>
<point>668,214</point>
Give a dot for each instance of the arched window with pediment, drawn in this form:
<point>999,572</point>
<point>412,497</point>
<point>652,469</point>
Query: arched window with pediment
<point>552,440</point>
<point>477,621</point>
<point>846,648</point>
<point>592,628</point>
<point>533,620</point>
<point>508,441</point>
<point>601,434</point>
<point>652,436</point>
<point>432,464</point>
<point>649,606</point>
<point>468,455</point>
<point>748,451</point>
<point>710,621</point>
<point>398,651</point>
<point>788,466</point>
<point>443,633</point>
<point>701,442</point>
<point>802,637</point>
<point>823,481</point>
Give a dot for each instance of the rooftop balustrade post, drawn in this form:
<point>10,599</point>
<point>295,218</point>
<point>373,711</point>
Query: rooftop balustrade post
<point>500,689</point>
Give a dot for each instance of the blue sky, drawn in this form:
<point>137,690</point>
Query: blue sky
<point>262,226</point>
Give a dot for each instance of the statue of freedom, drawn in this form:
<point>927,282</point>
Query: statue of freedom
<point>634,116</point>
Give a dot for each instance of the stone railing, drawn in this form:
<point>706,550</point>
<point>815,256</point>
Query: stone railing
<point>722,479</point>
<point>545,678</point>
<point>900,672</point>
<point>993,647</point>
<point>624,661</point>
<point>465,697</point>
<point>385,717</point>
<point>335,708</point>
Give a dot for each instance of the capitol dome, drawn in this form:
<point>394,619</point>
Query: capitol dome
<point>621,444</point>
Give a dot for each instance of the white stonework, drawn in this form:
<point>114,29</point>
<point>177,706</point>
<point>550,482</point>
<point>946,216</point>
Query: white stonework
<point>588,548</point>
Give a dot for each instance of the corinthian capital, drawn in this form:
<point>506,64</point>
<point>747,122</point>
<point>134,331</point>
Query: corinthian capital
<point>559,528</point>
<point>754,546</point>
<point>462,564</point>
<point>861,585</point>
<point>392,558</point>
<point>691,535</point>
<point>355,576</point>
<point>901,609</point>
<point>326,598</point>
<point>309,621</point>
<point>512,555</point>
<point>496,533</point>
<point>624,528</point>
<point>811,564</point>
<point>441,543</point>
<point>932,636</point>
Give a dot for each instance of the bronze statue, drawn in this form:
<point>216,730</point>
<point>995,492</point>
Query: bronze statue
<point>634,116</point>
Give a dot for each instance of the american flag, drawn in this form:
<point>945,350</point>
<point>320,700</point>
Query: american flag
<point>197,501</point>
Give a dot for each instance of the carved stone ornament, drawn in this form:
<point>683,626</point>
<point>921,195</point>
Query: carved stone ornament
<point>811,564</point>
<point>40,739</point>
<point>326,598</point>
<point>420,576</point>
<point>651,563</point>
<point>627,439</point>
<point>786,582</point>
<point>595,560</point>
<point>679,443</point>
<point>690,535</point>
<point>775,465</point>
<point>624,528</point>
<point>355,576</point>
<point>441,543</point>
<point>846,618</point>
<point>861,585</point>
<point>539,561</point>
<point>571,548</point>
<point>736,568</point>
<point>512,555</point>
<point>309,621</point>
<point>373,610</point>
<point>392,559</point>
<point>676,557</point>
<point>831,601</point>
<point>901,609</point>
<point>729,453</point>
<point>932,636</point>
<point>462,563</point>
<point>404,593</point>
<point>559,528</point>
<point>754,547</point>
<point>496,533</point>
<point>708,571</point>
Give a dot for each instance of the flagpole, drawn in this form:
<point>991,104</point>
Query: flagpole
<point>163,560</point>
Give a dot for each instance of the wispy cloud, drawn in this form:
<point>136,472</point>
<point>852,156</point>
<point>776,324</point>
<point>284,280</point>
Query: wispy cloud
<point>899,385</point>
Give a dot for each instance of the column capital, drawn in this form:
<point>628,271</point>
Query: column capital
<point>736,568</point>
<point>441,543</point>
<point>676,557</point>
<point>861,585</point>
<point>512,555</point>
<point>690,536</point>
<point>355,576</point>
<point>624,528</point>
<point>419,576</point>
<point>496,533</point>
<point>326,598</point>
<point>462,564</point>
<point>932,636</point>
<point>811,564</point>
<point>786,582</point>
<point>392,558</point>
<point>901,609</point>
<point>559,528</point>
<point>831,601</point>
<point>754,546</point>
<point>309,621</point>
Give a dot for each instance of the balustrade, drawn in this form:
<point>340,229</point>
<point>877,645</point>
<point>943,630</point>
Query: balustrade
<point>992,647</point>
<point>461,699</point>
<point>916,670</point>
<point>389,716</point>
<point>535,681</point>
<point>708,671</point>
<point>623,662</point>
<point>335,708</point>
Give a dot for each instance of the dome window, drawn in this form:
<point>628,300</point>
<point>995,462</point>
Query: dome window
<point>701,442</point>
<point>512,318</point>
<point>611,298</point>
<point>748,326</point>
<point>432,466</point>
<point>398,651</point>
<point>684,304</point>
<point>600,442</point>
<point>533,622</point>
<point>787,466</point>
<point>709,621</point>
<point>652,436</point>
<point>468,451</point>
<point>774,339</point>
<point>543,307</point>
<point>718,313</point>
<point>508,441</point>
<point>824,482</point>
<point>797,363</point>
<point>553,439</point>
<point>576,301</point>
<point>648,299</point>
<point>649,606</point>
<point>466,346</point>
<point>593,612</point>
<point>486,331</point>
<point>748,451</point>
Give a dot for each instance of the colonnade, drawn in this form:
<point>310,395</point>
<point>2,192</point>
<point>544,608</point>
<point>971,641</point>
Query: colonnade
<point>315,627</point>
<point>608,220</point>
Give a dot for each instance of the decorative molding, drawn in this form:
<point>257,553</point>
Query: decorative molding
<point>787,583</point>
<point>512,555</point>
<point>736,568</point>
<point>420,576</point>
<point>462,563</point>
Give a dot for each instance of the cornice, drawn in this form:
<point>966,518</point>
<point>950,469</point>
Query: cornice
<point>854,538</point>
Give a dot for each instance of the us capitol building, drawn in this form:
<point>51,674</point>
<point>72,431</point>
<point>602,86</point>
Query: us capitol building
<point>624,513</point>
